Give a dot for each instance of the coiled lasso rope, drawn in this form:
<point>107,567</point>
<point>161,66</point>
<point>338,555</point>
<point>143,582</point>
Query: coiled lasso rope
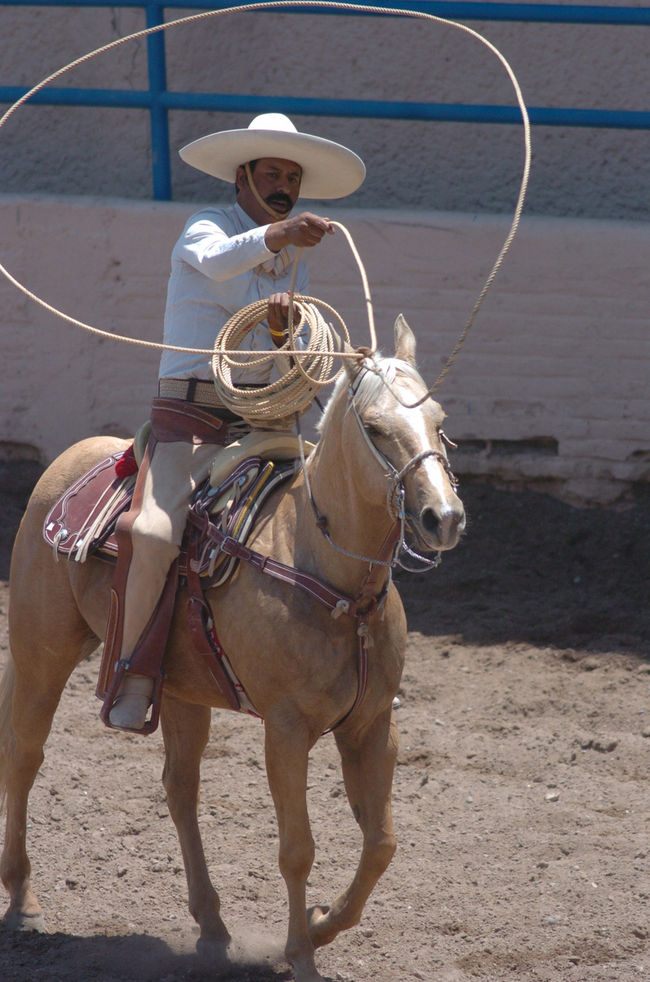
<point>310,368</point>
<point>271,5</point>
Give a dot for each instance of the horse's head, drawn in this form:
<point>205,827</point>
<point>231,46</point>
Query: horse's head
<point>400,446</point>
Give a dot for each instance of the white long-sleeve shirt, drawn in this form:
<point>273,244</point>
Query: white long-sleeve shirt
<point>220,264</point>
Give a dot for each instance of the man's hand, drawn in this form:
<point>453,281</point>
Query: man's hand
<point>304,230</point>
<point>278,317</point>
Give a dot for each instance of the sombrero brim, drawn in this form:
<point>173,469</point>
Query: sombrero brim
<point>329,170</point>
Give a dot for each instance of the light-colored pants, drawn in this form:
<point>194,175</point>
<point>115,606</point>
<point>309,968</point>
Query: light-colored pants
<point>175,470</point>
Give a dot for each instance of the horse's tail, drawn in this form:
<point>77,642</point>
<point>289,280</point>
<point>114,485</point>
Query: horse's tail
<point>6,700</point>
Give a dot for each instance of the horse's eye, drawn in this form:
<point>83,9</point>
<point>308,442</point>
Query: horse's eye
<point>372,431</point>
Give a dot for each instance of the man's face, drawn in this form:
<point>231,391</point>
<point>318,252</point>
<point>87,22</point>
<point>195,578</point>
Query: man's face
<point>277,182</point>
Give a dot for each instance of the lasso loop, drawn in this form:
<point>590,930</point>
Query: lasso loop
<point>282,353</point>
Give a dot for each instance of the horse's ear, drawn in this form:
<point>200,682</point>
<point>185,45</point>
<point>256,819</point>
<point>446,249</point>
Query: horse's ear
<point>404,340</point>
<point>351,365</point>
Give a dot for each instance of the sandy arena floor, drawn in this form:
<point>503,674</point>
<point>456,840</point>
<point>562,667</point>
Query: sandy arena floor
<point>521,798</point>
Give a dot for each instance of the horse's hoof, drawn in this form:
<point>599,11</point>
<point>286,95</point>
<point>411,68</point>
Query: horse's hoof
<point>214,952</point>
<point>15,920</point>
<point>319,926</point>
<point>304,969</point>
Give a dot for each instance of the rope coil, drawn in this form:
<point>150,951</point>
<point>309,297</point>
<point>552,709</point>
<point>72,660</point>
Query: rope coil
<point>307,370</point>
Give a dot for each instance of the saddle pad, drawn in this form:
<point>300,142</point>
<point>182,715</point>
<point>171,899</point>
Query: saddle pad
<point>83,520</point>
<point>85,515</point>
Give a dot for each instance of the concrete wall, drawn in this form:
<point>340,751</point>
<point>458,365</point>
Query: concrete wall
<point>550,389</point>
<point>443,166</point>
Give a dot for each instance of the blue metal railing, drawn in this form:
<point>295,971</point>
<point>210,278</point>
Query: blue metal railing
<point>159,101</point>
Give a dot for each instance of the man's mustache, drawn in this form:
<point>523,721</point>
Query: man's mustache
<point>277,198</point>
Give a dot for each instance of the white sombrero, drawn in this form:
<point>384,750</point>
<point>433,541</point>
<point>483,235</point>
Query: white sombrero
<point>329,170</point>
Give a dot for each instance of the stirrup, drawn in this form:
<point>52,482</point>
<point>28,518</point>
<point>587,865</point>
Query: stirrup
<point>121,668</point>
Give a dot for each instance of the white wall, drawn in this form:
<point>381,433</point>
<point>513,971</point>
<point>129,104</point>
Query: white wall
<point>551,387</point>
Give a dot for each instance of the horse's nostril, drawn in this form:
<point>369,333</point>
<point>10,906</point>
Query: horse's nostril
<point>429,521</point>
<point>446,526</point>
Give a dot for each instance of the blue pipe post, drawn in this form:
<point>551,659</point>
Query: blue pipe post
<point>158,113</point>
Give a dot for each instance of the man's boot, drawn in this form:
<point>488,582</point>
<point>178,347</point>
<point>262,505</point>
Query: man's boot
<point>130,686</point>
<point>131,706</point>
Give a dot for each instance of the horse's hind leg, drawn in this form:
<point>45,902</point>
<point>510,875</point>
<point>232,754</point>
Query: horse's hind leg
<point>368,767</point>
<point>31,695</point>
<point>186,729</point>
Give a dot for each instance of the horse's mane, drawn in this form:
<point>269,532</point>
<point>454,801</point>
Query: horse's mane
<point>371,384</point>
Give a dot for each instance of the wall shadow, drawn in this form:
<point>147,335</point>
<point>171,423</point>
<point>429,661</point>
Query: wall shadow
<point>533,569</point>
<point>17,480</point>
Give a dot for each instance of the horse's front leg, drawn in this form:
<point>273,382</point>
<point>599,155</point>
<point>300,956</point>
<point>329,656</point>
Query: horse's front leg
<point>186,729</point>
<point>287,750</point>
<point>368,764</point>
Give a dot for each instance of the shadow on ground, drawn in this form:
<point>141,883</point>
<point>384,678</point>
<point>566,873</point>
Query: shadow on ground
<point>136,958</point>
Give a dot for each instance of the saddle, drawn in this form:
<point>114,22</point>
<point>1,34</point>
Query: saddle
<point>220,519</point>
<point>244,473</point>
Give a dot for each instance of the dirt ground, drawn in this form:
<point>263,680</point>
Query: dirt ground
<point>521,796</point>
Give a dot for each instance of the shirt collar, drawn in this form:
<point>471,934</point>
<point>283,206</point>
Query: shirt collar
<point>245,220</point>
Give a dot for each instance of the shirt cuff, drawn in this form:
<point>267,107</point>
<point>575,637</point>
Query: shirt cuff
<point>262,229</point>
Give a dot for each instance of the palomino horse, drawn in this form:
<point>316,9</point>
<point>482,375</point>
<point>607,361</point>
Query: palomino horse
<point>377,464</point>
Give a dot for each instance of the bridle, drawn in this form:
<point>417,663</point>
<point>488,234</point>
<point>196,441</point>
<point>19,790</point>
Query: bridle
<point>396,495</point>
<point>395,546</point>
<point>398,477</point>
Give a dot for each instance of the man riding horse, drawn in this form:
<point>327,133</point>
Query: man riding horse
<point>226,258</point>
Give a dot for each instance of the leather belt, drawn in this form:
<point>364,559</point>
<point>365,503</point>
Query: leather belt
<point>190,390</point>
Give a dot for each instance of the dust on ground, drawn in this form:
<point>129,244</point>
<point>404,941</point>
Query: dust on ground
<point>521,798</point>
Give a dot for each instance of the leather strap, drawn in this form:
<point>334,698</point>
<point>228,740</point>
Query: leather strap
<point>371,596</point>
<point>148,655</point>
<point>320,591</point>
<point>115,626</point>
<point>361,609</point>
<point>173,421</point>
<point>199,616</point>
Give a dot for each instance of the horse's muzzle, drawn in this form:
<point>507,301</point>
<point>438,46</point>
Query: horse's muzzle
<point>441,528</point>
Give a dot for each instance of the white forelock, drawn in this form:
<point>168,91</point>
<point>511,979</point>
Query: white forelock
<point>371,385</point>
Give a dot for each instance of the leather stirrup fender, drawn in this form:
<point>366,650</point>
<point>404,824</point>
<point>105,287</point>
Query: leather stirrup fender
<point>147,658</point>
